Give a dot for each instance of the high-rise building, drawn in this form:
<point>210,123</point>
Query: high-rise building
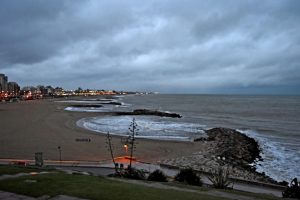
<point>3,83</point>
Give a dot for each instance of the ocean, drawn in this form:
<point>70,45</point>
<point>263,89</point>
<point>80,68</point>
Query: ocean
<point>274,121</point>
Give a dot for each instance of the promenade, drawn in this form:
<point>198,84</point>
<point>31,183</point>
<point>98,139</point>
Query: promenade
<point>106,167</point>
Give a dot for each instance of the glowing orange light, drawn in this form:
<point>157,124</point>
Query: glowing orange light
<point>33,173</point>
<point>126,147</point>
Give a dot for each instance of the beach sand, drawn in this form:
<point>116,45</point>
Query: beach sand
<point>27,127</point>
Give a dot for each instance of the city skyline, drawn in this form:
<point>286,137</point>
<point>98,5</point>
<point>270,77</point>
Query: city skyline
<point>232,47</point>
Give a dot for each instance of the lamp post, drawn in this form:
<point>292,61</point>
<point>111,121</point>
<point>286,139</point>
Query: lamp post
<point>59,150</point>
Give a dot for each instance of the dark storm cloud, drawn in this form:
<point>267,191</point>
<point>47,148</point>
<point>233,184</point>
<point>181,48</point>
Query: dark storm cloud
<point>168,46</point>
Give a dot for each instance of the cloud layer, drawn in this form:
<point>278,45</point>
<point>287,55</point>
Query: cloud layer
<point>168,46</point>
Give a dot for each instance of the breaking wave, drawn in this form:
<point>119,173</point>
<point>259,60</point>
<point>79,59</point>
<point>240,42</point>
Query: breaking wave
<point>279,162</point>
<point>149,127</point>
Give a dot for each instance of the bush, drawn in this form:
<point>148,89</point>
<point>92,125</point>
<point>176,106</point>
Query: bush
<point>157,175</point>
<point>220,178</point>
<point>188,176</point>
<point>134,173</point>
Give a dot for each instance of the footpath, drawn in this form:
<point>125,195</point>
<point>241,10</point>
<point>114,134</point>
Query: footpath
<point>12,196</point>
<point>105,168</point>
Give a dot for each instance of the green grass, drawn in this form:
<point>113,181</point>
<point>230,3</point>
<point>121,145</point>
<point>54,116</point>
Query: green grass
<point>8,169</point>
<point>92,187</point>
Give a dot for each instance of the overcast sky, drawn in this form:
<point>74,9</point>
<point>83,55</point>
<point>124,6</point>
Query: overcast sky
<point>172,46</point>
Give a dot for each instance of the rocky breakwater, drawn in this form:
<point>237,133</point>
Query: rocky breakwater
<point>234,148</point>
<point>223,147</point>
<point>150,112</point>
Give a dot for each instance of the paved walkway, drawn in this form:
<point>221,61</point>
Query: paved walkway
<point>215,193</point>
<point>106,167</point>
<point>13,196</point>
<point>172,172</point>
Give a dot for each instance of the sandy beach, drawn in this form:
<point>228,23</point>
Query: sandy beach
<point>43,125</point>
<point>28,127</point>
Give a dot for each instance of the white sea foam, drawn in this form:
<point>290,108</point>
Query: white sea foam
<point>149,127</point>
<point>279,162</point>
<point>85,101</point>
<point>123,105</point>
<point>89,109</point>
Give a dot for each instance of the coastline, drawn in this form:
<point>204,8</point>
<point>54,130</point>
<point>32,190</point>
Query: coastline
<point>43,125</point>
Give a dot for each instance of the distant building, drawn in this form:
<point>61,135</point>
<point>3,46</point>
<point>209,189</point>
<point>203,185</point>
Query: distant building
<point>58,91</point>
<point>13,88</point>
<point>29,89</point>
<point>3,83</point>
<point>42,90</point>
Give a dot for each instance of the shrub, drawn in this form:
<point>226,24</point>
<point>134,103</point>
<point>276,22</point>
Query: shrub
<point>134,173</point>
<point>131,173</point>
<point>220,178</point>
<point>157,175</point>
<point>188,176</point>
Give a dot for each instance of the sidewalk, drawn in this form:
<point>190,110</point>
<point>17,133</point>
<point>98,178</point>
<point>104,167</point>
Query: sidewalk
<point>8,195</point>
<point>106,167</point>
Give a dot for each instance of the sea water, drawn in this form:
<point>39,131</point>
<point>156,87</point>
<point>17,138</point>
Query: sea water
<point>274,121</point>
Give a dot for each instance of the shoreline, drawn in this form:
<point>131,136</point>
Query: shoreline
<point>80,123</point>
<point>43,125</point>
<point>50,126</point>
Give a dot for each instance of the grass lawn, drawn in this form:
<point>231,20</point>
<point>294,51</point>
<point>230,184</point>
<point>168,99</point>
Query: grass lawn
<point>91,187</point>
<point>8,169</point>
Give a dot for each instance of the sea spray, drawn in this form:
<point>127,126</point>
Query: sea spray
<point>277,161</point>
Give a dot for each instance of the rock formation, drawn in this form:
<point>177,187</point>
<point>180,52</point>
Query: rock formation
<point>238,149</point>
<point>150,112</point>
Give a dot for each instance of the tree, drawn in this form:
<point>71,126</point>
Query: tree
<point>133,131</point>
<point>220,177</point>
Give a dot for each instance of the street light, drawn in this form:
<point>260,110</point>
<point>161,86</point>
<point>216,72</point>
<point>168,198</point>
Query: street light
<point>59,150</point>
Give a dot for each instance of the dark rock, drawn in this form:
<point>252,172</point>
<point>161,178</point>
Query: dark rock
<point>237,148</point>
<point>112,103</point>
<point>157,113</point>
<point>150,112</point>
<point>200,139</point>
